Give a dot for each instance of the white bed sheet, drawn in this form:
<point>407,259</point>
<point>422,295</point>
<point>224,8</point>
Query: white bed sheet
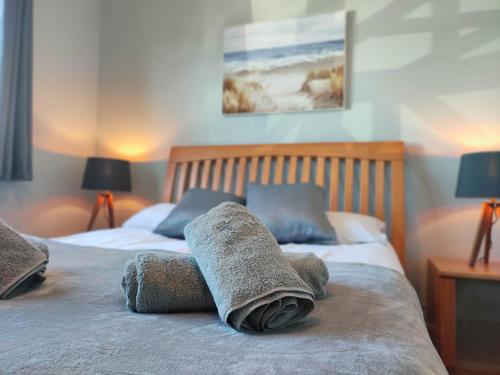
<point>378,254</point>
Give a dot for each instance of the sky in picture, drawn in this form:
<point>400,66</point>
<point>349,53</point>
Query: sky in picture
<point>314,29</point>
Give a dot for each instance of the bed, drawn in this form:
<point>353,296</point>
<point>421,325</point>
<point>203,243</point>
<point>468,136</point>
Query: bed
<point>371,323</point>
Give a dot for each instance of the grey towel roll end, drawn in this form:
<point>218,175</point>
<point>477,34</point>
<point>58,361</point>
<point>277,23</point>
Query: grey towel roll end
<point>250,280</point>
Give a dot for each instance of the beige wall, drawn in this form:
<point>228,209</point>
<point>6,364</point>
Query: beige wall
<point>65,68</point>
<point>425,72</point>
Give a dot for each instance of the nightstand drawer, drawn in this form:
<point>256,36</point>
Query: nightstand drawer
<point>464,313</point>
<point>478,322</point>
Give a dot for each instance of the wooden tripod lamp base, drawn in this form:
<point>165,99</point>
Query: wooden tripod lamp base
<point>103,200</point>
<point>105,174</point>
<point>490,211</point>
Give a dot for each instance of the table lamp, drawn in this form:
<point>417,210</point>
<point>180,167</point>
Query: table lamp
<point>479,177</point>
<point>106,175</point>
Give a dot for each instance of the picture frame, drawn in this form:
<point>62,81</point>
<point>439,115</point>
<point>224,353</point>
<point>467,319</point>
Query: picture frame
<point>286,66</point>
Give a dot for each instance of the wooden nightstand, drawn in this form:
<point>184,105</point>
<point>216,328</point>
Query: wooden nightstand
<point>464,315</point>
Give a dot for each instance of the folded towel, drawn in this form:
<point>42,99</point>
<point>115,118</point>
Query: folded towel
<point>22,262</point>
<point>166,282</point>
<point>39,277</point>
<point>253,285</point>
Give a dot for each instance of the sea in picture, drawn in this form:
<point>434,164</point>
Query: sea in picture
<point>285,66</point>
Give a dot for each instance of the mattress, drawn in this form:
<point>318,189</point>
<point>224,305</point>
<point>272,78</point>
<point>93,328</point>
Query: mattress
<point>76,323</point>
<point>378,254</point>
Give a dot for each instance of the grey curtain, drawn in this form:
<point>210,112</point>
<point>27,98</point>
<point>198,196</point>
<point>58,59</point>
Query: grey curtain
<point>16,46</point>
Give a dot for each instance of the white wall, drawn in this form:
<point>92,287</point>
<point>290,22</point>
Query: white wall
<point>65,68</point>
<point>425,72</point>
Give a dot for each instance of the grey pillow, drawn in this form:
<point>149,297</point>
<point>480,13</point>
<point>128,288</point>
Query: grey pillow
<point>194,203</point>
<point>293,213</point>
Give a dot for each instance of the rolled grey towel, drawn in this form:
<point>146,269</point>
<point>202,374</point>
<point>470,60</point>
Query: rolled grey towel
<point>22,262</point>
<point>166,282</point>
<point>253,285</point>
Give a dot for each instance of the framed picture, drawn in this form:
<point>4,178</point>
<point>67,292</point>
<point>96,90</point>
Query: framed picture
<point>285,66</point>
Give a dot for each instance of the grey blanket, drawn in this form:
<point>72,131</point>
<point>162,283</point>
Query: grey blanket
<point>22,262</point>
<point>77,323</point>
<point>168,282</point>
<point>253,285</point>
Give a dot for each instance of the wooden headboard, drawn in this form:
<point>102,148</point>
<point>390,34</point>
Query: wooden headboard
<point>364,177</point>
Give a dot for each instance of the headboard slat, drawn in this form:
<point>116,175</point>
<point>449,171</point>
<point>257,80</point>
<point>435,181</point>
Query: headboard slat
<point>193,179</point>
<point>228,176</point>
<point>280,165</point>
<point>254,169</point>
<point>348,184</point>
<point>217,174</point>
<point>306,170</point>
<point>379,189</point>
<point>169,182</point>
<point>343,169</point>
<point>182,180</point>
<point>364,191</point>
<point>334,184</point>
<point>240,178</point>
<point>266,170</point>
<point>320,171</point>
<point>207,164</point>
<point>292,170</point>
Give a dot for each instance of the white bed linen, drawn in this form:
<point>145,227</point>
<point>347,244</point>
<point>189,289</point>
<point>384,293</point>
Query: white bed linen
<point>139,239</point>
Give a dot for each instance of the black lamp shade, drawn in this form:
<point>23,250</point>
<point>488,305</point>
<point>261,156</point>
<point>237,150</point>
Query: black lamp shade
<point>107,174</point>
<point>479,175</point>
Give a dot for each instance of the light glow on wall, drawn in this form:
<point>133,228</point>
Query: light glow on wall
<point>63,137</point>
<point>131,149</point>
<point>134,147</point>
<point>471,141</point>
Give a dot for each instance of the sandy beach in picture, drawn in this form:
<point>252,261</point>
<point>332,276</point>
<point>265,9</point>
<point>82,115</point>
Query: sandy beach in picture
<point>285,66</point>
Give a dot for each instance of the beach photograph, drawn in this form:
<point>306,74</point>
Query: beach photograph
<point>285,66</point>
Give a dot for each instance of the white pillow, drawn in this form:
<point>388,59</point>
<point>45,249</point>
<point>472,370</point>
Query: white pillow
<point>150,217</point>
<point>352,228</point>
